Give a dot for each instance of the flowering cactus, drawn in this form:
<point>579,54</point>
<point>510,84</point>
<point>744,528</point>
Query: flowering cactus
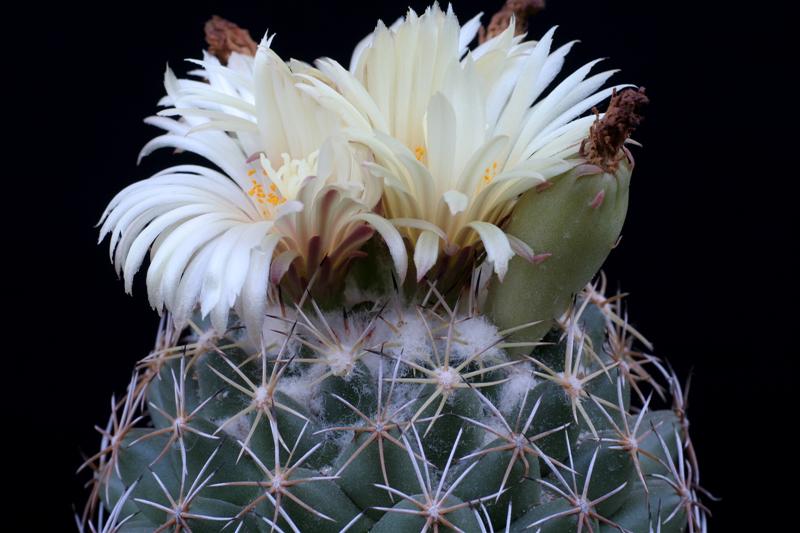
<point>303,379</point>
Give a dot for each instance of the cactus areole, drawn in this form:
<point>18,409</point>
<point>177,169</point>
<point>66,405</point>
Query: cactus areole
<point>380,300</point>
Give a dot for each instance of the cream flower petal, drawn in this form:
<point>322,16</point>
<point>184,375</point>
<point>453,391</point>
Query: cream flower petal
<point>521,248</point>
<point>426,252</point>
<point>448,124</point>
<point>254,292</point>
<point>188,291</point>
<point>419,224</point>
<point>498,249</point>
<point>393,240</point>
<point>290,189</point>
<point>457,201</point>
<point>174,252</point>
<point>441,135</point>
<point>227,268</point>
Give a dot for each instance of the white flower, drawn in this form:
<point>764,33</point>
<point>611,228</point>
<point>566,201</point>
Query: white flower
<point>289,192</point>
<point>458,135</point>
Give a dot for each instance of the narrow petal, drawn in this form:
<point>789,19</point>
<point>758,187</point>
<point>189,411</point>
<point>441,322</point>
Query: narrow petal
<point>456,201</point>
<point>392,238</point>
<point>426,252</point>
<point>254,293</point>
<point>441,138</point>
<point>498,249</point>
<point>521,248</point>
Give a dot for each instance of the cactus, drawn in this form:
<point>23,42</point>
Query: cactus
<point>426,425</point>
<point>301,382</point>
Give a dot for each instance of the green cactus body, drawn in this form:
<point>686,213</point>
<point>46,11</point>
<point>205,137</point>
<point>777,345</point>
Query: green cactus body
<point>257,443</point>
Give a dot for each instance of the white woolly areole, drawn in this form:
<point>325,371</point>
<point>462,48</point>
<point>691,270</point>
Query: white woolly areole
<point>261,397</point>
<point>475,335</point>
<point>447,378</point>
<point>360,332</point>
<point>342,360</point>
<point>521,379</point>
<point>300,388</point>
<point>238,429</point>
<point>411,342</point>
<point>573,387</point>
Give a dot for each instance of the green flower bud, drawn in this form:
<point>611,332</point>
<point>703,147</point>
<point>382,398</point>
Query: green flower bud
<point>571,222</point>
<point>572,225</point>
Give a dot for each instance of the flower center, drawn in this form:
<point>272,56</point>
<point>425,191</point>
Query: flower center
<point>270,188</point>
<point>257,193</point>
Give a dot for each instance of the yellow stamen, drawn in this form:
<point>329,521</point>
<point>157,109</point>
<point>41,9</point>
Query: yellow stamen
<point>489,173</point>
<point>256,190</point>
<point>420,152</point>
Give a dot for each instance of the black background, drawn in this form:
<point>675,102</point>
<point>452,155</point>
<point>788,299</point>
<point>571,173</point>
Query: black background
<point>703,242</point>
